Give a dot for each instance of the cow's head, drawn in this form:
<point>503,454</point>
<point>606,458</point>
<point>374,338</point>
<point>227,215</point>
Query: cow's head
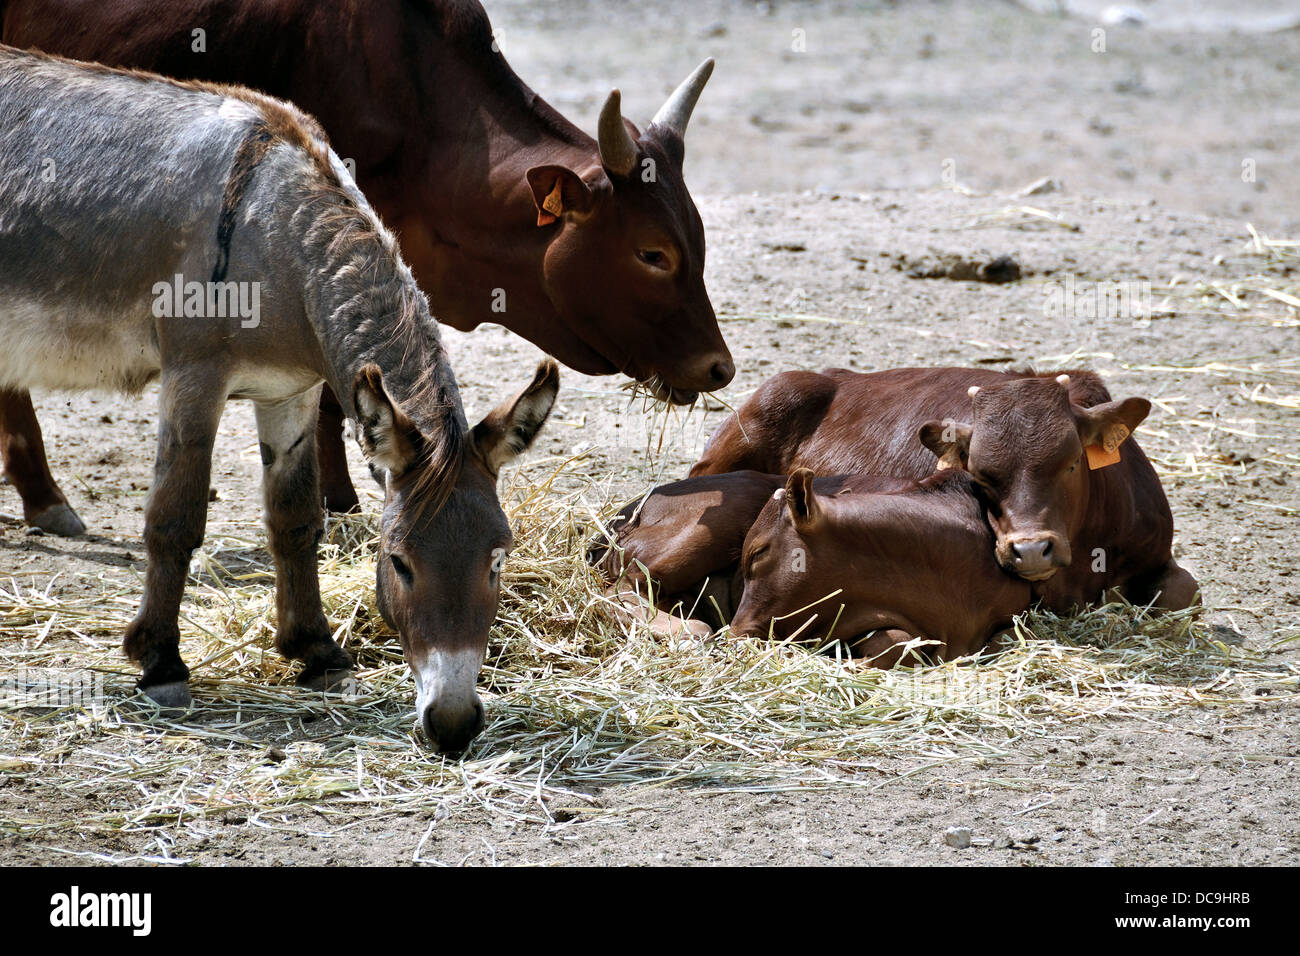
<point>1025,448</point>
<point>625,267</point>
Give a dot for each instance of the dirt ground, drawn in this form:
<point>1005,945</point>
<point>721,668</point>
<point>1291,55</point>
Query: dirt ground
<point>820,178</point>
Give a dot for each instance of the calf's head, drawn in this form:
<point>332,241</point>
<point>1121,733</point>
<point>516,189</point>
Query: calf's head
<point>800,551</point>
<point>443,542</point>
<point>1026,448</point>
<point>625,267</point>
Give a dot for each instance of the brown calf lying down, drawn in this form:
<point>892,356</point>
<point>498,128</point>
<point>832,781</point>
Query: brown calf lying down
<point>874,562</point>
<point>1075,508</point>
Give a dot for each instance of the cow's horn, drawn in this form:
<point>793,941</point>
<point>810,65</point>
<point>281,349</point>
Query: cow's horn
<point>617,151</point>
<point>676,112</point>
<point>1064,380</point>
<point>972,390</point>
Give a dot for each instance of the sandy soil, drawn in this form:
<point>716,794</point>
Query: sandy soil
<point>842,148</point>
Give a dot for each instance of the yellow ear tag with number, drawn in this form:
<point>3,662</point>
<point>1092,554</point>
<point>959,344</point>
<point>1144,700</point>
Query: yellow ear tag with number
<point>1107,453</point>
<point>552,206</point>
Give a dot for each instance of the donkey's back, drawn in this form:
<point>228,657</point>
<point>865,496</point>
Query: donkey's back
<point>110,183</point>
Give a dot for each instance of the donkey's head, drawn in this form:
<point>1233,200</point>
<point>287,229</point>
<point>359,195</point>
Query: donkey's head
<point>443,542</point>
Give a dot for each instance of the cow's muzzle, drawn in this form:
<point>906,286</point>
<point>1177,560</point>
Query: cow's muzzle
<point>708,373</point>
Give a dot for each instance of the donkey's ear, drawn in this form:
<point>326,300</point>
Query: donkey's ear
<point>388,438</point>
<point>510,428</point>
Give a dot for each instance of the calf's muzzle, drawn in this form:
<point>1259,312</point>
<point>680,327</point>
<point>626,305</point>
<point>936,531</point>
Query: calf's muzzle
<point>1034,557</point>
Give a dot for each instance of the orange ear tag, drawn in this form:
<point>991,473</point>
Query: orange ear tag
<point>1099,457</point>
<point>552,206</point>
<point>1107,453</point>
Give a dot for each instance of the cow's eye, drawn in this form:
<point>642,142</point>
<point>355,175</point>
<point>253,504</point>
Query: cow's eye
<point>655,258</point>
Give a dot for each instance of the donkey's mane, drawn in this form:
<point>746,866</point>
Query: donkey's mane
<point>405,338</point>
<point>444,450</point>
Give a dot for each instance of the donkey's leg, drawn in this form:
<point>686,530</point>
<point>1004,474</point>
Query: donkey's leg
<point>335,483</point>
<point>294,521</point>
<point>173,527</point>
<point>23,452</point>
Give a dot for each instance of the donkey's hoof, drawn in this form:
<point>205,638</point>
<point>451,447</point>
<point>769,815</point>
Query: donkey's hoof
<point>172,696</point>
<point>331,682</point>
<point>60,520</point>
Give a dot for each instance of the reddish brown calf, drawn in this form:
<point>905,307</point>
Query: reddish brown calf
<point>1033,445</point>
<point>891,568</point>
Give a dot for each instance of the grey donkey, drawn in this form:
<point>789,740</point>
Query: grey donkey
<point>206,237</point>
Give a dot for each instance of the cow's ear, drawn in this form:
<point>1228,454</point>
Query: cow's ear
<point>800,498</point>
<point>1109,424</point>
<point>389,439</point>
<point>949,440</point>
<point>510,428</point>
<point>558,191</point>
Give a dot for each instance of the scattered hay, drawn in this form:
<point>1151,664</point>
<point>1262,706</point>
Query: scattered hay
<point>1021,217</point>
<point>1268,294</point>
<point>575,701</point>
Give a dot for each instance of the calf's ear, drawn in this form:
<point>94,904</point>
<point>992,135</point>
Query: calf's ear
<point>800,498</point>
<point>389,439</point>
<point>949,440</point>
<point>509,429</point>
<point>1109,424</point>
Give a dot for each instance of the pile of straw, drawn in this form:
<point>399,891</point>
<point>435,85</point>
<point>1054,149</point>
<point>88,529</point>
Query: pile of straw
<point>576,701</point>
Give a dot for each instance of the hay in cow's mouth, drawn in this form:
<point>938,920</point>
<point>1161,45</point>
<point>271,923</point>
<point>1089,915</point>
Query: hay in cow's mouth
<point>659,390</point>
<point>577,700</point>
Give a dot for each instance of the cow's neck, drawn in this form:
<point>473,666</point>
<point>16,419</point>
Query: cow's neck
<point>472,240</point>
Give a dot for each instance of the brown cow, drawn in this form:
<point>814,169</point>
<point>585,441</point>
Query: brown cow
<point>874,562</point>
<point>1063,519</point>
<point>505,210</point>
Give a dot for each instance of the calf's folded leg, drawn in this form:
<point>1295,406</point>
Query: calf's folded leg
<point>336,488</point>
<point>1171,588</point>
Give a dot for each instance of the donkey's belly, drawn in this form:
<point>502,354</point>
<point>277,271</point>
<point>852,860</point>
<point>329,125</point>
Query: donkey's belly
<point>68,347</point>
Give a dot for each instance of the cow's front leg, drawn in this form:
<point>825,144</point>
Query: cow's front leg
<point>294,521</point>
<point>23,452</point>
<point>631,608</point>
<point>173,527</point>
<point>335,483</point>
